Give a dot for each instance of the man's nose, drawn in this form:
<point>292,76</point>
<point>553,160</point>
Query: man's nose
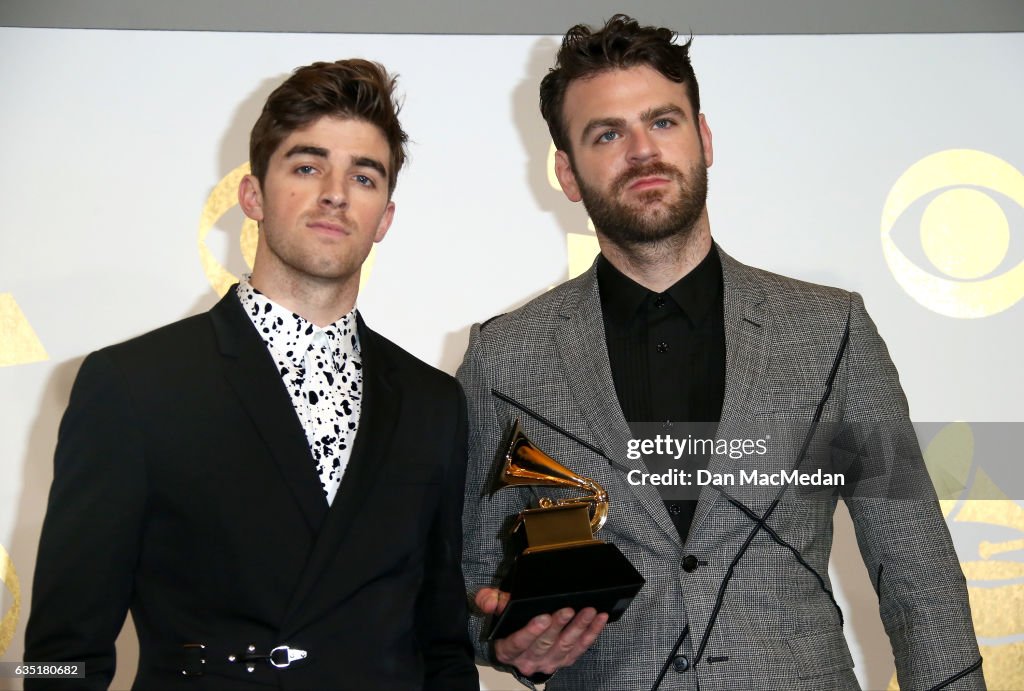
<point>642,147</point>
<point>333,194</point>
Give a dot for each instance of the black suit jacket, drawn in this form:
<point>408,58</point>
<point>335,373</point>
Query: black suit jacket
<point>184,490</point>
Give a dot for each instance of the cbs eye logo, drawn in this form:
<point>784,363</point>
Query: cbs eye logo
<point>964,233</point>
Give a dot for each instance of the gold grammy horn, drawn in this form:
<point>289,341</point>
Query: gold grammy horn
<point>526,465</point>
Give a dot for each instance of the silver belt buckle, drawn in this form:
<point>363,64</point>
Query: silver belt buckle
<point>290,655</point>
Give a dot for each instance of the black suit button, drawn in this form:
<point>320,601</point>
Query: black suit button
<point>689,564</point>
<point>662,347</point>
<point>659,301</point>
<point>680,663</point>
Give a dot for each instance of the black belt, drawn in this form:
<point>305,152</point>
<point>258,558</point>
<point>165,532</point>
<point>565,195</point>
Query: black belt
<point>196,657</point>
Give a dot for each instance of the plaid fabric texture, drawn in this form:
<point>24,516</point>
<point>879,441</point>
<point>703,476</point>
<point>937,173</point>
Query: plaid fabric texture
<point>777,628</point>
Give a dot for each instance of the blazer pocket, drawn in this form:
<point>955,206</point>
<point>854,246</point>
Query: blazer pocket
<point>820,653</point>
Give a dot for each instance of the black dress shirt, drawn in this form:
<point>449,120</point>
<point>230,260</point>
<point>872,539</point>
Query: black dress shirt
<point>667,353</point>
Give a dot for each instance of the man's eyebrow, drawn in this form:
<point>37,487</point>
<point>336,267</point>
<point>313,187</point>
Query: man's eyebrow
<point>367,162</point>
<point>662,111</point>
<point>599,123</point>
<point>299,149</point>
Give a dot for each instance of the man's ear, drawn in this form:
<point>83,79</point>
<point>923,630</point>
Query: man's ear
<point>705,141</point>
<point>385,222</point>
<point>250,197</point>
<point>566,178</point>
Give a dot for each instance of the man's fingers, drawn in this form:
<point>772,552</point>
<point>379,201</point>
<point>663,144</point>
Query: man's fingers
<point>514,645</point>
<point>491,600</point>
<point>588,636</point>
<point>579,625</point>
<point>550,642</point>
<point>543,643</point>
<point>486,600</point>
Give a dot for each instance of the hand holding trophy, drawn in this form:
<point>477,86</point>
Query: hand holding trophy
<point>562,564</point>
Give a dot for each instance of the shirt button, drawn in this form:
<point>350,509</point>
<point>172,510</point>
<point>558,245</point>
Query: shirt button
<point>674,509</point>
<point>662,347</point>
<point>659,301</point>
<point>689,563</point>
<point>681,663</point>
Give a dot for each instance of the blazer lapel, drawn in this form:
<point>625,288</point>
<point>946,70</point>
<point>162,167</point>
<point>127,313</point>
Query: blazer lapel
<point>584,355</point>
<point>746,362</point>
<point>251,372</point>
<point>367,464</point>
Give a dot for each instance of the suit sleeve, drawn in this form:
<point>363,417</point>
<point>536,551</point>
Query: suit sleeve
<point>92,531</point>
<point>481,521</point>
<point>485,515</point>
<point>441,607</point>
<point>903,540</point>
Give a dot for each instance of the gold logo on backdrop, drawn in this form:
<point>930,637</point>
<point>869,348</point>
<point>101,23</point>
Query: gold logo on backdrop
<point>580,248</point>
<point>19,344</point>
<point>9,577</point>
<point>964,233</point>
<point>222,199</point>
<point>995,586</point>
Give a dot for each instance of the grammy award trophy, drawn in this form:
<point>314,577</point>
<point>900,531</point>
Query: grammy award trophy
<point>561,563</point>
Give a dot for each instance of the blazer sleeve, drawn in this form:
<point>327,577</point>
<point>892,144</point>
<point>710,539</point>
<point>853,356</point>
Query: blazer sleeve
<point>92,531</point>
<point>441,606</point>
<point>481,522</point>
<point>903,539</point>
<point>485,517</point>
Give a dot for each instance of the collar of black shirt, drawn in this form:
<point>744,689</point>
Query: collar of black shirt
<point>695,293</point>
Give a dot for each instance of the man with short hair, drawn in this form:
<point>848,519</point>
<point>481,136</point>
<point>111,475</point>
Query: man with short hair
<point>273,489</point>
<point>667,328</point>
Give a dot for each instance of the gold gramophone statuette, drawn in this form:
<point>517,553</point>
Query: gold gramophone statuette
<point>557,522</point>
<point>562,564</point>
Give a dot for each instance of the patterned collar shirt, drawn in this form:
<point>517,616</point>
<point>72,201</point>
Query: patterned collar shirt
<point>323,373</point>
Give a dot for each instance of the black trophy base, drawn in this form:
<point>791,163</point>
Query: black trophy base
<point>594,575</point>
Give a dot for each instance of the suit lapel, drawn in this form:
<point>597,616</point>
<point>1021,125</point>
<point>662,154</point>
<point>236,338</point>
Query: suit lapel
<point>584,354</point>
<point>251,372</point>
<point>367,464</point>
<point>746,362</point>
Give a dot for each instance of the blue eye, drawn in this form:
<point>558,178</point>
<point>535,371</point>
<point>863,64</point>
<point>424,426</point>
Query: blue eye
<point>608,136</point>
<point>305,170</point>
<point>663,123</point>
<point>365,180</point>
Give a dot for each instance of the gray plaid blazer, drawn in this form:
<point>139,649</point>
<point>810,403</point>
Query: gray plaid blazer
<point>778,627</point>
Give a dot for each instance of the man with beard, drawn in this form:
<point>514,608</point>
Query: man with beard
<point>665,329</point>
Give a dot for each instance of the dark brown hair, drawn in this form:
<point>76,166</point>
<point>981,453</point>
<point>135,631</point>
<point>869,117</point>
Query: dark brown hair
<point>620,44</point>
<point>347,89</point>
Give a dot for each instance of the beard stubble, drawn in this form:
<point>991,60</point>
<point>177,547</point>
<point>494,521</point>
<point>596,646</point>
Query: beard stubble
<point>643,222</point>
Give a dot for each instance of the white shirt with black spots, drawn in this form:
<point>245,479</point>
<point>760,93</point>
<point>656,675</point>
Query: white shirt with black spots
<point>323,373</point>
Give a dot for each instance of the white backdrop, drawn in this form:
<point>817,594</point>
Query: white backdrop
<point>112,142</point>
